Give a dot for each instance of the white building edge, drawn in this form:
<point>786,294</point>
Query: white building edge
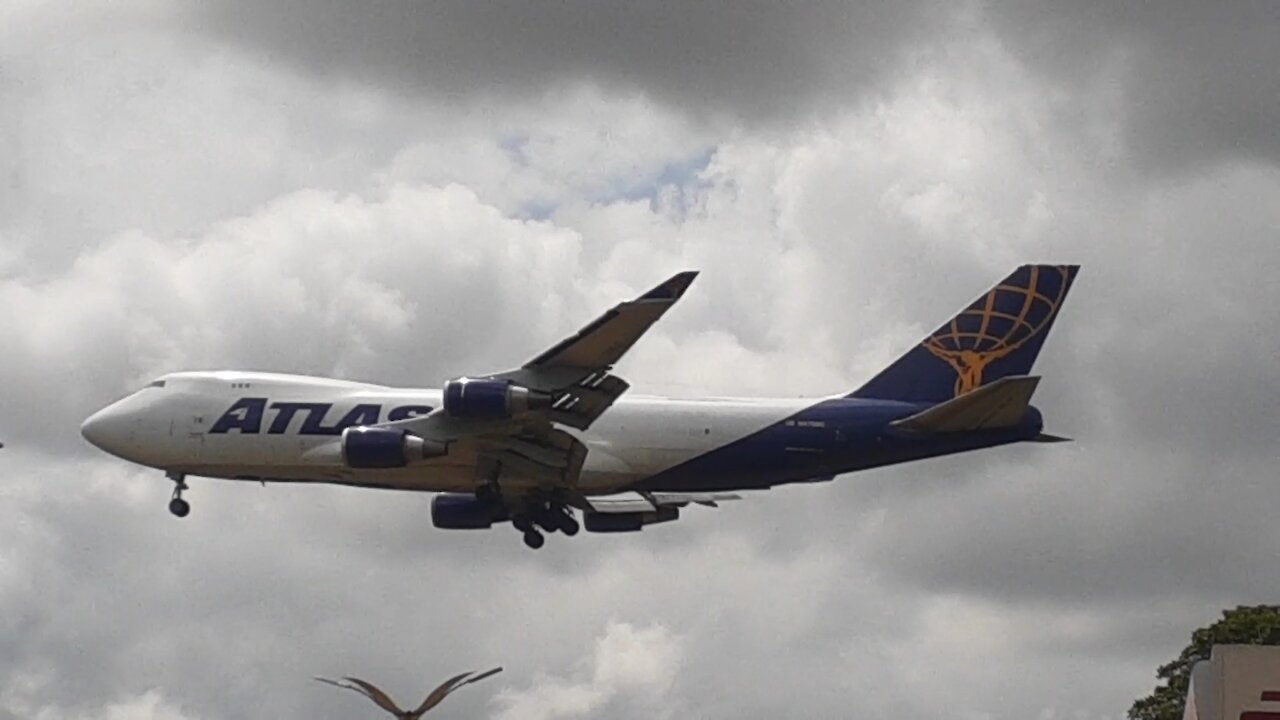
<point>1237,682</point>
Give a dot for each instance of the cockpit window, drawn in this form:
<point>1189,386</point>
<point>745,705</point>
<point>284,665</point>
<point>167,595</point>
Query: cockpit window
<point>156,383</point>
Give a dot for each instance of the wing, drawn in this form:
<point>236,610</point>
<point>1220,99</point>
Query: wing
<point>366,689</point>
<point>483,675</point>
<point>439,693</point>
<point>376,695</point>
<point>448,686</point>
<point>572,386</point>
<point>576,370</point>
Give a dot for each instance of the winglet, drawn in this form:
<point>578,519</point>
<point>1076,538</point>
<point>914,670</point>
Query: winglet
<point>673,288</point>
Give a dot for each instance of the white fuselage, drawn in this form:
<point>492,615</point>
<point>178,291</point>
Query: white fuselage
<point>263,426</point>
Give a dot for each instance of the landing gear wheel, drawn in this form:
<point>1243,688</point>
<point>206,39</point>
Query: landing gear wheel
<point>534,539</point>
<point>548,520</point>
<point>569,526</point>
<point>178,506</point>
<point>522,523</point>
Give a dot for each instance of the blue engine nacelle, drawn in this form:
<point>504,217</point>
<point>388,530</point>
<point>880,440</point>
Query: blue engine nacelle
<point>627,522</point>
<point>456,511</point>
<point>386,447</point>
<point>490,399</point>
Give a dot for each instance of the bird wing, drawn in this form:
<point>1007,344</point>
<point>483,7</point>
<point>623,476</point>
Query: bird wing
<point>366,689</point>
<point>439,693</point>
<point>482,676</point>
<point>450,685</point>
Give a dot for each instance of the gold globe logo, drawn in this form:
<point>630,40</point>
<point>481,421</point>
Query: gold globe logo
<point>999,323</point>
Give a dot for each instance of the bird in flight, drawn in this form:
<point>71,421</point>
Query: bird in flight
<point>380,698</point>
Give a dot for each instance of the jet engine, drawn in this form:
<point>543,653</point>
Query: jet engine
<point>490,399</point>
<point>627,522</point>
<point>386,447</point>
<point>457,511</point>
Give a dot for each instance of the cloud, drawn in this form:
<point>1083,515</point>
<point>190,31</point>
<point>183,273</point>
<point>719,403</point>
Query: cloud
<point>326,194</point>
<point>313,282</point>
<point>1181,84</point>
<point>148,706</point>
<point>1191,86</point>
<point>627,661</point>
<point>743,59</point>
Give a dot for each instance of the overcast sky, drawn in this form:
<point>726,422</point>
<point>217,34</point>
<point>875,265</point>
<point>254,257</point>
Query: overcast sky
<point>402,192</point>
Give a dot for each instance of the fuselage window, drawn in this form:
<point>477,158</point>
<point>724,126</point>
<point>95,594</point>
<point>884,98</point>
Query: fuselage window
<point>156,383</point>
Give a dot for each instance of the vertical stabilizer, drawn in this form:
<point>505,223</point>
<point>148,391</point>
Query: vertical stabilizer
<point>996,336</point>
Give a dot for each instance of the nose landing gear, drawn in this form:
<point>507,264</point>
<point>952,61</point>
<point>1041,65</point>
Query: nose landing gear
<point>179,507</point>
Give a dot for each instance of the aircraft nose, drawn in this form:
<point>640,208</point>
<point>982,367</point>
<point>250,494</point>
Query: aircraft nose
<point>107,429</point>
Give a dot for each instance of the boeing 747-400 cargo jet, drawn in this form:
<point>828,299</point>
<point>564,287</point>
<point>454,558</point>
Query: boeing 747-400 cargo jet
<point>532,445</point>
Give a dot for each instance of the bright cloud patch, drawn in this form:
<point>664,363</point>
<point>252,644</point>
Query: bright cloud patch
<point>627,661</point>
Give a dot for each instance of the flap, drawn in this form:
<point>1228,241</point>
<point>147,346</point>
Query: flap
<point>582,403</point>
<point>681,499</point>
<point>629,502</point>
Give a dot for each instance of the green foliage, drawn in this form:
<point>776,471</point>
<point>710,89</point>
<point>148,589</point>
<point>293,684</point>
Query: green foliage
<point>1256,625</point>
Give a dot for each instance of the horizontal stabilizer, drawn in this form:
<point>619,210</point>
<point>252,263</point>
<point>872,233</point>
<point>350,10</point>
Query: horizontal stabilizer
<point>1047,438</point>
<point>999,404</point>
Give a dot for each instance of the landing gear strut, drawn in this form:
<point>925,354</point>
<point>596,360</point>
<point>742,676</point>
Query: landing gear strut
<point>537,513</point>
<point>179,507</point>
<point>568,525</point>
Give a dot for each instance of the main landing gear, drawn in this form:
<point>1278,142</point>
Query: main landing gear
<point>179,507</point>
<point>535,513</point>
<point>546,516</point>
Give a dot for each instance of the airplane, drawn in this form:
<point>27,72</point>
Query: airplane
<point>539,444</point>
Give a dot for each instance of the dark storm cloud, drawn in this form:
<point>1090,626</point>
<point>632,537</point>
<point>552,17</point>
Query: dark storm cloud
<point>1195,82</point>
<point>753,59</point>
<point>1190,82</point>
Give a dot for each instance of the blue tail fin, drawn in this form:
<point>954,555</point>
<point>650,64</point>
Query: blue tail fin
<point>999,334</point>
